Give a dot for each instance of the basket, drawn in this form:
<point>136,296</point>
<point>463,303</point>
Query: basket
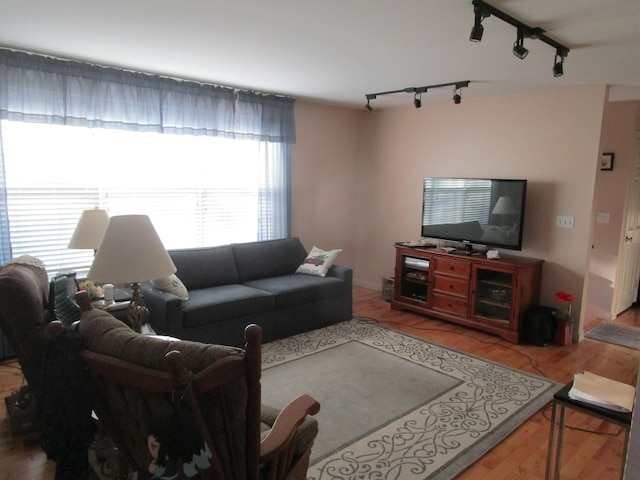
<point>387,289</point>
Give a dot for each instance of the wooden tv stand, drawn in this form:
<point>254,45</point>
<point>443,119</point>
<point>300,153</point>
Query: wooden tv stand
<point>468,289</point>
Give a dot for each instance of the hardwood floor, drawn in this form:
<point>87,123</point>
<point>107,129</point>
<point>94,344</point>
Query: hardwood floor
<point>592,448</point>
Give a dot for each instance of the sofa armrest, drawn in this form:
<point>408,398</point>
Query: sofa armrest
<point>165,310</point>
<point>343,273</point>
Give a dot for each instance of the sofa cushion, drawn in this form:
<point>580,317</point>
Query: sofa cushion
<point>270,258</point>
<point>298,289</point>
<point>205,267</point>
<point>215,304</point>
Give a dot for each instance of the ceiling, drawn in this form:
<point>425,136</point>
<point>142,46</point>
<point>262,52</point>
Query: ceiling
<point>337,51</point>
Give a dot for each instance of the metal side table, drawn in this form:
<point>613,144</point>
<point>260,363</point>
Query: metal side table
<point>562,401</point>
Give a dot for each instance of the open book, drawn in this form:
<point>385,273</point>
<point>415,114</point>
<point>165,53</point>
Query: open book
<point>602,392</point>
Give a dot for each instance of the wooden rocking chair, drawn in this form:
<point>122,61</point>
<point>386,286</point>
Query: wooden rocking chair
<point>133,376</point>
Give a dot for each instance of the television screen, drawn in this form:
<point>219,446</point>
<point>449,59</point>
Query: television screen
<point>479,211</point>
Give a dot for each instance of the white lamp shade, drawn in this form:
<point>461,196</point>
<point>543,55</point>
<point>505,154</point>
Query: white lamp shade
<point>504,206</point>
<point>131,251</point>
<point>90,229</point>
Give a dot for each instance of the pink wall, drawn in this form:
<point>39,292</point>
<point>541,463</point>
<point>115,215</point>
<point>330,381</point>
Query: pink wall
<point>324,178</point>
<point>358,175</point>
<point>621,122</point>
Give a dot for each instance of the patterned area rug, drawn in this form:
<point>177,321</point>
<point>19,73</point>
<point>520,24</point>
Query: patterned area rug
<point>609,332</point>
<point>459,406</point>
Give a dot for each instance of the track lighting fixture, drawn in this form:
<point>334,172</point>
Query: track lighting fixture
<point>457,98</point>
<point>482,10</point>
<point>418,91</point>
<point>518,47</point>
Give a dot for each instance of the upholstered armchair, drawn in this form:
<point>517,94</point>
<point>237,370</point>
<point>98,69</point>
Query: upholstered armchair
<point>133,377</point>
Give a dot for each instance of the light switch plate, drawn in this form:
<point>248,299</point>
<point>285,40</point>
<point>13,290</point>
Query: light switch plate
<point>564,221</point>
<point>602,217</point>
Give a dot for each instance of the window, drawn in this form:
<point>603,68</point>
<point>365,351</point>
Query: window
<point>197,190</point>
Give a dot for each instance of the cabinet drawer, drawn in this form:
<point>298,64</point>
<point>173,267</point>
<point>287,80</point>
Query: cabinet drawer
<point>451,305</point>
<point>451,286</point>
<point>453,267</point>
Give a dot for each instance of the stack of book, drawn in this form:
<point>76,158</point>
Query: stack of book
<point>602,392</point>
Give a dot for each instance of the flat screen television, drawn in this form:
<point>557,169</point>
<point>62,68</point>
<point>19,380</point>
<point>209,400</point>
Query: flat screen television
<point>488,212</point>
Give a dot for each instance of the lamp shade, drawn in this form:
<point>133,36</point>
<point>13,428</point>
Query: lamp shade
<point>504,206</point>
<point>131,251</point>
<point>90,229</point>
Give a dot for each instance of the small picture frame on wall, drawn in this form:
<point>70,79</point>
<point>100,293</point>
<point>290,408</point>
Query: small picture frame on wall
<point>606,161</point>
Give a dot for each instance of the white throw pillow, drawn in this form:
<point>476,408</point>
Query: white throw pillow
<point>318,262</point>
<point>172,284</point>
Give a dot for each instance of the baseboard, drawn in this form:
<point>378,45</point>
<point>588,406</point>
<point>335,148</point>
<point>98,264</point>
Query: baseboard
<point>369,285</point>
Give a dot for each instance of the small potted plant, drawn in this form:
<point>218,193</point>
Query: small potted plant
<point>564,320</point>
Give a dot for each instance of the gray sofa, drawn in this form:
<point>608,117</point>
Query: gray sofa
<point>232,286</point>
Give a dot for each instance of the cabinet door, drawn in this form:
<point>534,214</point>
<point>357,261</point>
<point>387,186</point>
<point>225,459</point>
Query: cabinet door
<point>493,298</point>
<point>413,277</point>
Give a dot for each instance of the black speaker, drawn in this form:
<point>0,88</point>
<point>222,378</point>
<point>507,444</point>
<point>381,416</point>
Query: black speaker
<point>539,326</point>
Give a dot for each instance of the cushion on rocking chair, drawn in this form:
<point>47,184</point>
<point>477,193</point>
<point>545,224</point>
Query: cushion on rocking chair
<point>305,434</point>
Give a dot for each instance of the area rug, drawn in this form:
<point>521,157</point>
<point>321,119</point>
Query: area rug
<point>610,332</point>
<point>394,406</point>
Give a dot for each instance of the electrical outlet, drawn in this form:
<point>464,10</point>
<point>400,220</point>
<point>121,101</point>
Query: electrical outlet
<point>564,221</point>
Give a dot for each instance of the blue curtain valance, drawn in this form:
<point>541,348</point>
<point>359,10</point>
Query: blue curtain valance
<point>36,88</point>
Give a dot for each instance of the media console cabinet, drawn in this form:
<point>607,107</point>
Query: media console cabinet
<point>471,290</point>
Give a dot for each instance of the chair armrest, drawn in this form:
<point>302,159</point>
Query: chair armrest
<point>283,431</point>
<point>165,310</point>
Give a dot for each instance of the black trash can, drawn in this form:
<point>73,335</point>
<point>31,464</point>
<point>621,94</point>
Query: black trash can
<point>539,326</point>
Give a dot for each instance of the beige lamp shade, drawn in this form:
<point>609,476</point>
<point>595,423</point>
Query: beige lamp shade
<point>131,251</point>
<point>504,206</point>
<point>90,229</point>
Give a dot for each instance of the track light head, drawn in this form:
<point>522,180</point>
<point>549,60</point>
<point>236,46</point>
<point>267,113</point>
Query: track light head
<point>417,100</point>
<point>477,30</point>
<point>558,69</point>
<point>370,96</point>
<point>476,33</point>
<point>518,47</point>
<point>558,63</point>
<point>457,98</point>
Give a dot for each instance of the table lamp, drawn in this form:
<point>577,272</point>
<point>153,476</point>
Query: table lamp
<point>90,229</point>
<point>131,252</point>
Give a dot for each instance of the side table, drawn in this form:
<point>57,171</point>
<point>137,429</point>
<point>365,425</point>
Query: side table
<point>118,309</point>
<point>562,401</point>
